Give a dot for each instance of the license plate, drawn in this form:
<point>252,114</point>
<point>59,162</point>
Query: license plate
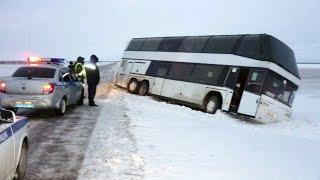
<point>24,104</point>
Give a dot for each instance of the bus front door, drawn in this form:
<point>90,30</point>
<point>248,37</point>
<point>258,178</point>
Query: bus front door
<point>252,92</point>
<point>236,80</point>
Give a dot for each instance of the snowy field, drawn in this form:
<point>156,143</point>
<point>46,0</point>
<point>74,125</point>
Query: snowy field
<point>7,70</point>
<point>142,138</point>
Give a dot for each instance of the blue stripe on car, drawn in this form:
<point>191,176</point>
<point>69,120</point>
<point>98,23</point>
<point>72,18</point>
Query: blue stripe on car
<point>7,133</point>
<point>18,125</point>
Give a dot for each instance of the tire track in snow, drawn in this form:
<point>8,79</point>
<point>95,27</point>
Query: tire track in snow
<point>112,152</point>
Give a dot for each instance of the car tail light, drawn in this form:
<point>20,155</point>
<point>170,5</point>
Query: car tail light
<point>48,88</point>
<point>3,87</point>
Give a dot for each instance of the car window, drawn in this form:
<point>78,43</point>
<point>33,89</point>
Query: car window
<point>66,78</point>
<point>34,72</point>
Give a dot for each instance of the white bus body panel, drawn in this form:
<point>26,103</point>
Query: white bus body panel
<point>129,67</point>
<point>192,92</point>
<point>249,103</point>
<point>271,110</point>
<point>140,67</point>
<point>123,74</point>
<point>157,85</point>
<point>209,58</point>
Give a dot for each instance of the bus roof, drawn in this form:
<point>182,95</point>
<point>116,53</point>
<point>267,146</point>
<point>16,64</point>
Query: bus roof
<point>262,47</point>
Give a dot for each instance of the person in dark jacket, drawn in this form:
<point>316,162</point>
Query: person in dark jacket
<point>93,78</point>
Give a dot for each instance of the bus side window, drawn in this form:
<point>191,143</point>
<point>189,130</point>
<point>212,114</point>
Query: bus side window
<point>158,69</point>
<point>180,71</point>
<point>255,81</point>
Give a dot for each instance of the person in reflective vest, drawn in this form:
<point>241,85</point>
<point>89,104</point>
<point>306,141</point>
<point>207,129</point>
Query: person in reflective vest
<point>93,78</point>
<point>79,69</point>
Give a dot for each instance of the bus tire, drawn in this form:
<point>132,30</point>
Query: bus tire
<point>133,86</point>
<point>143,88</point>
<point>212,105</point>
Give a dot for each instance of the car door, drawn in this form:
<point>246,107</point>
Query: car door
<point>67,86</point>
<point>76,88</point>
<point>252,92</point>
<point>7,153</point>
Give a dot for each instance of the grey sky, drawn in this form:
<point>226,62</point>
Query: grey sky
<point>69,28</point>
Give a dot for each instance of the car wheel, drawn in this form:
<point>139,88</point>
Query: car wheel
<point>133,86</point>
<point>143,89</point>
<point>22,166</point>
<point>80,101</point>
<point>62,108</point>
<point>212,105</point>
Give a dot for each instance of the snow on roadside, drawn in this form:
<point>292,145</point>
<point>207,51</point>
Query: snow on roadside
<point>179,143</point>
<point>112,150</point>
<point>7,69</point>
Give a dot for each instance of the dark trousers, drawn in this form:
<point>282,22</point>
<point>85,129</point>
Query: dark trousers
<point>91,93</point>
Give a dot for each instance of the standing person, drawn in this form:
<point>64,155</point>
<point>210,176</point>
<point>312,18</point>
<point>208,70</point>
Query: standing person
<point>79,69</point>
<point>71,66</point>
<point>93,78</point>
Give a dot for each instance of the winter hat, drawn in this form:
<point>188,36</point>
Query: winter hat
<point>94,58</point>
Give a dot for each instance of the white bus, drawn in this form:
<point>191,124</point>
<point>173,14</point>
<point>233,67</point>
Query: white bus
<point>253,75</point>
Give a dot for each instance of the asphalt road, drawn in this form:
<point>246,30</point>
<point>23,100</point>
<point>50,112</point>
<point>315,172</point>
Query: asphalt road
<point>58,144</point>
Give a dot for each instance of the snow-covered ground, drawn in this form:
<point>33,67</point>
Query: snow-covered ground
<point>7,69</point>
<point>141,138</point>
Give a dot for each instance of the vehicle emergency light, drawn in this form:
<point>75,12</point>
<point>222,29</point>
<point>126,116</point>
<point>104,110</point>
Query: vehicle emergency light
<point>48,88</point>
<point>34,59</point>
<point>3,87</point>
<point>38,60</point>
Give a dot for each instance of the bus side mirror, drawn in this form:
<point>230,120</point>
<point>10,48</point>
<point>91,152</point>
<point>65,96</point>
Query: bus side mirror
<point>7,116</point>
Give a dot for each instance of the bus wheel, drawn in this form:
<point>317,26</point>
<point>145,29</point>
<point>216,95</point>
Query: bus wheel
<point>212,105</point>
<point>143,88</point>
<point>133,86</point>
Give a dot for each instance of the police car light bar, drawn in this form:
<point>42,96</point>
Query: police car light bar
<point>39,60</point>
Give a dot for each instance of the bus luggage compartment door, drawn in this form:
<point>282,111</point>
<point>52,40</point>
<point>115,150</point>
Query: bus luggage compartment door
<point>157,86</point>
<point>252,93</point>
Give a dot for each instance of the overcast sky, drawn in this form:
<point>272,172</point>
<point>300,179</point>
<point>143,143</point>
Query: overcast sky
<point>69,28</point>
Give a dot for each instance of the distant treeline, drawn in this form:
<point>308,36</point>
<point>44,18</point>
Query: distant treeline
<point>12,62</point>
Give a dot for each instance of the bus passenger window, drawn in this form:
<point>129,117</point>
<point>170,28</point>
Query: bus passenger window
<point>208,74</point>
<point>158,69</point>
<point>180,71</point>
<point>162,71</point>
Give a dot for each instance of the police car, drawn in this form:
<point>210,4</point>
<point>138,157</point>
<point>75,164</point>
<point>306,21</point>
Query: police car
<point>44,83</point>
<point>13,145</point>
